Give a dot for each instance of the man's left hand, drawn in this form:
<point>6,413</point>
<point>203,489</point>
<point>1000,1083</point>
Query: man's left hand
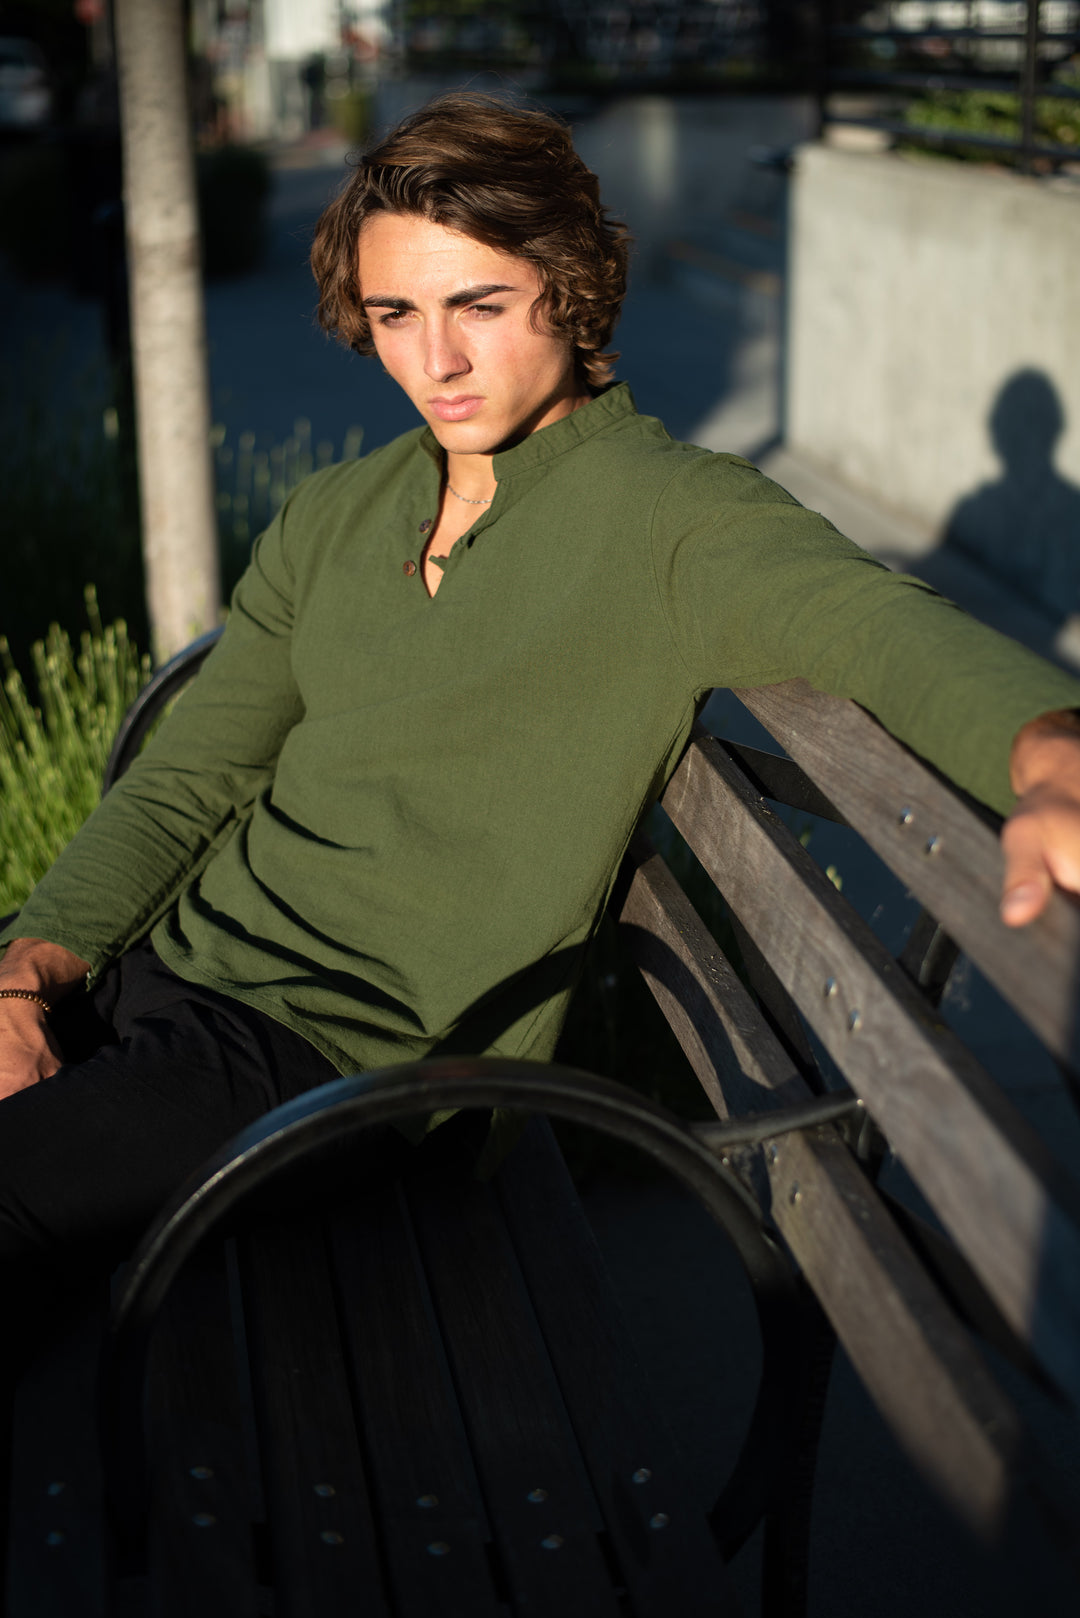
<point>1041,838</point>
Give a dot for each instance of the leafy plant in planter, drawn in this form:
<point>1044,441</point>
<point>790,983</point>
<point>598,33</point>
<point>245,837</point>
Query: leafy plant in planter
<point>997,114</point>
<point>55,737</point>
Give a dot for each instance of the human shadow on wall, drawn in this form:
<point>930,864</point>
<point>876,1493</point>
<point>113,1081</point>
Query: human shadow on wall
<point>1024,527</point>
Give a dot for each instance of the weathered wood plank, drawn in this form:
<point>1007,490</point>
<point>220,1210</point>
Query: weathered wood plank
<point>714,1019</point>
<point>55,1534</point>
<point>780,1010</point>
<point>200,1559</point>
<point>905,1342</point>
<point>433,1526</point>
<point>658,1530</point>
<point>541,1508</point>
<point>943,852</point>
<point>998,1190</point>
<point>926,1377</point>
<point>322,1538</point>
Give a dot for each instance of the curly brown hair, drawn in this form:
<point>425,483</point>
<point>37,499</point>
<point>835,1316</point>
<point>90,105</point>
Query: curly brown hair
<point>506,177</point>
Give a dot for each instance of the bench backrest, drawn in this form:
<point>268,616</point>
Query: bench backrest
<point>896,1290</point>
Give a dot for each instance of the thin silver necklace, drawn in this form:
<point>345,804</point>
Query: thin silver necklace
<point>465,497</point>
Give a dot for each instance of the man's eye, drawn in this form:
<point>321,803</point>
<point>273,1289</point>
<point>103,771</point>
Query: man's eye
<point>393,317</point>
<point>485,309</point>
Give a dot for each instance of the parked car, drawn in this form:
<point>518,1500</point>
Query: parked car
<point>26,95</point>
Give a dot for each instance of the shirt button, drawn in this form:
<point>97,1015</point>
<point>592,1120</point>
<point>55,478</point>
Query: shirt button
<point>408,568</point>
<point>425,525</point>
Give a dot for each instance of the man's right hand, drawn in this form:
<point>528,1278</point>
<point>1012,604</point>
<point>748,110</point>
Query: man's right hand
<point>28,1048</point>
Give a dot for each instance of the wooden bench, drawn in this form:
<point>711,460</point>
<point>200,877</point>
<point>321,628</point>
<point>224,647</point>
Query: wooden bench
<point>419,1394</point>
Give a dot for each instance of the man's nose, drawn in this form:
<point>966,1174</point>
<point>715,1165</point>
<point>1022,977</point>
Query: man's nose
<point>445,356</point>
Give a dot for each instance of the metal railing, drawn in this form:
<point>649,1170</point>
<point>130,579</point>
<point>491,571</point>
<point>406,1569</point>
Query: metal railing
<point>922,71</point>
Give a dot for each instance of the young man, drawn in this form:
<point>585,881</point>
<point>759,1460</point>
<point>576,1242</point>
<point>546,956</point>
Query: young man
<point>386,817</point>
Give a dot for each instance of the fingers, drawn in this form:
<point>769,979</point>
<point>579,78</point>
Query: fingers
<point>1025,890</point>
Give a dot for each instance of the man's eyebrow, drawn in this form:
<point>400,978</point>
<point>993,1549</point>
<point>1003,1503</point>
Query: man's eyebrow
<point>386,300</point>
<point>471,294</point>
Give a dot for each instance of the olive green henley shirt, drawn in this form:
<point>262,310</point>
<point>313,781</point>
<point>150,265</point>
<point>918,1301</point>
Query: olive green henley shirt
<point>390,821</point>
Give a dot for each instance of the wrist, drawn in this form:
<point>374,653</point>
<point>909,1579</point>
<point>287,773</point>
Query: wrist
<point>27,997</point>
<point>1046,752</point>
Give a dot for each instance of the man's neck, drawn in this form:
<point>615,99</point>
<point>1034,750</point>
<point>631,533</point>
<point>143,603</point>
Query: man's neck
<point>471,478</point>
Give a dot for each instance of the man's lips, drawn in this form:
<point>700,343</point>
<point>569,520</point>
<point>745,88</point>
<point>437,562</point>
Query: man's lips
<point>459,409</point>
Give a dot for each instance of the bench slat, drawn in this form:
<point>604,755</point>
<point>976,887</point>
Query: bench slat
<point>698,990</point>
<point>634,1464</point>
<point>421,1474</point>
<point>322,1540</point>
<point>997,1189</point>
<point>520,1436</point>
<point>199,1536</point>
<point>901,808</point>
<point>915,1359</point>
<point>56,1563</point>
<point>926,1377</point>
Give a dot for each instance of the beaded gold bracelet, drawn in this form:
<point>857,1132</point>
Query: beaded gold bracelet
<point>27,994</point>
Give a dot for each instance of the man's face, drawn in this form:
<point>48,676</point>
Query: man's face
<point>450,322</point>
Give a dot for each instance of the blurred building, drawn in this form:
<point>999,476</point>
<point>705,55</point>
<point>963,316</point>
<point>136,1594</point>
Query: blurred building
<point>599,42</point>
<point>273,68</point>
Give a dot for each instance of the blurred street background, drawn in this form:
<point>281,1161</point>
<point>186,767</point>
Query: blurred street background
<point>854,264</point>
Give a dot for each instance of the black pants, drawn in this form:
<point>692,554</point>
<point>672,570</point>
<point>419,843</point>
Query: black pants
<point>158,1074</point>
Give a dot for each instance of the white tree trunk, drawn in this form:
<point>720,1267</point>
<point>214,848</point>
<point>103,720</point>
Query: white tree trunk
<point>168,330</point>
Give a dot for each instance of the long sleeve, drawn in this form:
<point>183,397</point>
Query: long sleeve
<point>759,590</point>
<point>185,794</point>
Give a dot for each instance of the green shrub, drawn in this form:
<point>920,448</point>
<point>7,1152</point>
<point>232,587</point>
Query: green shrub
<point>993,113</point>
<point>55,741</point>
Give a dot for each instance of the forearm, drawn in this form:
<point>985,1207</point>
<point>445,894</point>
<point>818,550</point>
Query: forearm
<point>122,869</point>
<point>1046,751</point>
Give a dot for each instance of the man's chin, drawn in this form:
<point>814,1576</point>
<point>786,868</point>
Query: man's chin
<point>466,438</point>
<point>476,437</point>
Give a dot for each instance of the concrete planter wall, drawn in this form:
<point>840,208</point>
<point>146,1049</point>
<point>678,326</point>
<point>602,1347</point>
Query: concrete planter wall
<point>934,354</point>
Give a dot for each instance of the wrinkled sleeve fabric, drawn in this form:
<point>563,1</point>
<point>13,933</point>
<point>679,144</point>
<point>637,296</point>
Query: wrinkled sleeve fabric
<point>189,788</point>
<point>758,590</point>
